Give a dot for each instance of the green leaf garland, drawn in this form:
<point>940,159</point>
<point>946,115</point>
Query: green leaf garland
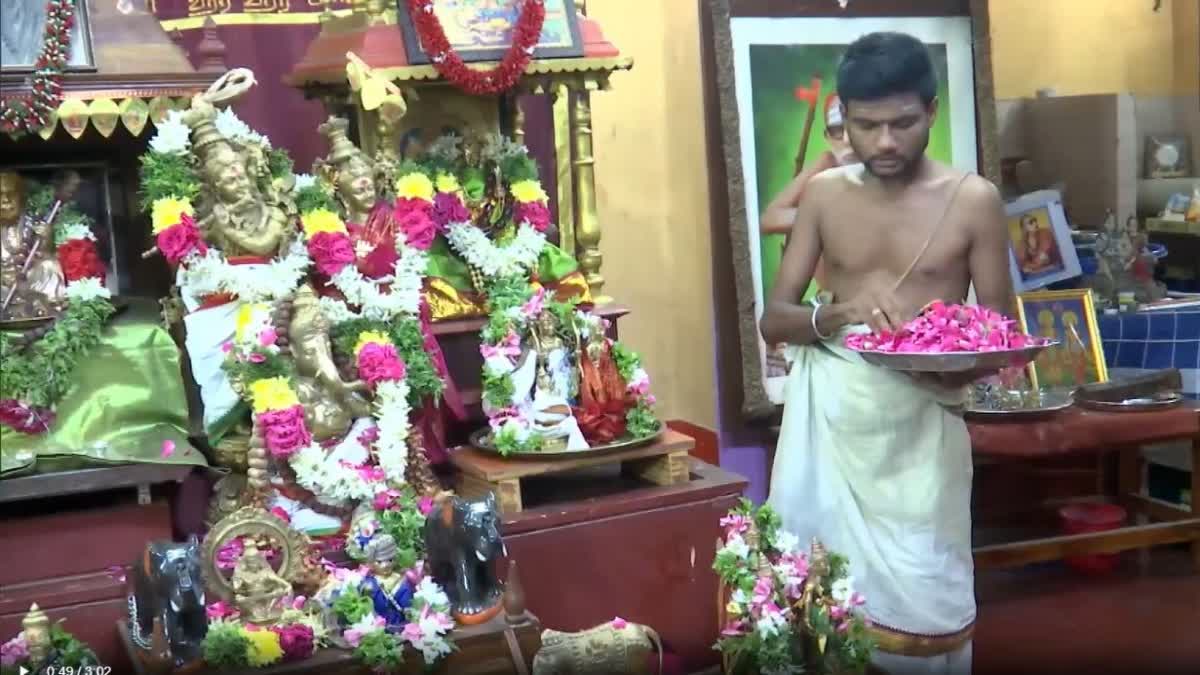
<point>43,373</point>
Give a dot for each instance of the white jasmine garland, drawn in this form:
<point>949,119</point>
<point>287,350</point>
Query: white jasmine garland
<point>515,258</point>
<point>391,414</point>
<point>71,231</point>
<point>303,181</point>
<point>404,294</point>
<point>328,478</point>
<point>88,288</point>
<point>211,273</point>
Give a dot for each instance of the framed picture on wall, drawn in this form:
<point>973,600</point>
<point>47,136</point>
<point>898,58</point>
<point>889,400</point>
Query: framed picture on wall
<point>1040,249</point>
<point>1068,317</point>
<point>22,33</point>
<point>775,66</point>
<point>480,30</point>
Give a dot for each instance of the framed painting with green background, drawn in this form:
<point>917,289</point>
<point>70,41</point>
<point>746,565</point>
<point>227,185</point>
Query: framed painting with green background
<point>776,67</point>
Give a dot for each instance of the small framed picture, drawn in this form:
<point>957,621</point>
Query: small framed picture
<point>1069,317</point>
<point>1040,248</point>
<point>1168,156</point>
<point>24,30</point>
<point>481,30</point>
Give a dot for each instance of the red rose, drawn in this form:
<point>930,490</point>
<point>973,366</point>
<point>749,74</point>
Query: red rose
<point>178,241</point>
<point>79,260</point>
<point>284,431</point>
<point>331,251</point>
<point>534,213</point>
<point>419,229</point>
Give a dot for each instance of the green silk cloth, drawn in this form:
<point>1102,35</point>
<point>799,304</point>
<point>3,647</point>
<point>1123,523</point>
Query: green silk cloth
<point>127,402</point>
<point>553,264</point>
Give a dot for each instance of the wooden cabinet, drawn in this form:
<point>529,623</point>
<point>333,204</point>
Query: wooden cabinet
<point>596,545</point>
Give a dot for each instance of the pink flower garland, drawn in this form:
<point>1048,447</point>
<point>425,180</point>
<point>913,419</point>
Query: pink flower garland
<point>379,363</point>
<point>284,431</point>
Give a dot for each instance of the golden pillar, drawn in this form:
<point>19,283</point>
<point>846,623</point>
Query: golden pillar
<point>587,224</point>
<point>560,97</point>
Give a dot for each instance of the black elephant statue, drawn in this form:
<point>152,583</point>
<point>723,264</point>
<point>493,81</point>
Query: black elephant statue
<point>462,543</point>
<point>166,588</point>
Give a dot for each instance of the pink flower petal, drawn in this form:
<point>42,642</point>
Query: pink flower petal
<point>619,623</point>
<point>168,448</point>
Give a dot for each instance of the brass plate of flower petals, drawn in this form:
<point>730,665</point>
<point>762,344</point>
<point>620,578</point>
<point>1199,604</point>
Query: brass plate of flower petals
<point>482,439</point>
<point>955,362</point>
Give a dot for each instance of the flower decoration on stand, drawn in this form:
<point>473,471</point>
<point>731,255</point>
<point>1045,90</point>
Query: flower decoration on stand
<point>450,65</point>
<point>63,652</point>
<point>231,644</point>
<point>30,115</point>
<point>423,610</point>
<point>786,610</point>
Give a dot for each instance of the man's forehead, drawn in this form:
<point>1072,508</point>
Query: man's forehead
<point>890,107</point>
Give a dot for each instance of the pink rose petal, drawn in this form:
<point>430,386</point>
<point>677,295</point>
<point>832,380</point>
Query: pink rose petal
<point>168,448</point>
<point>619,623</point>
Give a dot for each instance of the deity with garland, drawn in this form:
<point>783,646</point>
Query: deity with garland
<point>283,329</point>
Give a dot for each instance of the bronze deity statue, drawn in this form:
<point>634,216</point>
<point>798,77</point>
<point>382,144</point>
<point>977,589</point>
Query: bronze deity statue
<point>31,280</point>
<point>330,403</point>
<point>348,169</point>
<point>238,215</point>
<point>258,592</point>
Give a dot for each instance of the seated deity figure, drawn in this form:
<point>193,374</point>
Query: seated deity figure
<point>258,590</point>
<point>29,269</point>
<point>249,226</point>
<point>545,381</point>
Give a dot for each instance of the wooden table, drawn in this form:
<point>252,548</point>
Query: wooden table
<point>598,544</point>
<point>1074,431</point>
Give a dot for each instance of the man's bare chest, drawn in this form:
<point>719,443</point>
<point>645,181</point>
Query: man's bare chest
<point>864,239</point>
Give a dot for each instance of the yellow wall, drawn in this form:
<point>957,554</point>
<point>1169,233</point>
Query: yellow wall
<point>1093,46</point>
<point>652,187</point>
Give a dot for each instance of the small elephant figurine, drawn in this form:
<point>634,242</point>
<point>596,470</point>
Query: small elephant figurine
<point>613,647</point>
<point>166,595</point>
<point>462,542</point>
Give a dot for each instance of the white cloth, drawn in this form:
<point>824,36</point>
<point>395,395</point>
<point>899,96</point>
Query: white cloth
<point>878,469</point>
<point>208,329</point>
<point>957,662</point>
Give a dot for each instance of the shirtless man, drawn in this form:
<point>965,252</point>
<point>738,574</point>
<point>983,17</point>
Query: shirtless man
<point>873,462</point>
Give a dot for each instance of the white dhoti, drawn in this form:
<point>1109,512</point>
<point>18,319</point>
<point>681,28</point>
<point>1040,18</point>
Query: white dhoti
<point>878,468</point>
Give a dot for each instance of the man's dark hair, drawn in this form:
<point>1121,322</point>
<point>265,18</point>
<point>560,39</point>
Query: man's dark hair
<point>877,65</point>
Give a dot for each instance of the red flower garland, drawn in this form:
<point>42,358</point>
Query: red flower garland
<point>30,114</point>
<point>450,65</point>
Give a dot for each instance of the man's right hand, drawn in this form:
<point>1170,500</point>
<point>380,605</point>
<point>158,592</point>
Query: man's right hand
<point>877,307</point>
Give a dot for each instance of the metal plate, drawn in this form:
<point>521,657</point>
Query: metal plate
<point>955,362</point>
<point>482,439</point>
<point>1048,403</point>
<point>1160,401</point>
<point>23,324</point>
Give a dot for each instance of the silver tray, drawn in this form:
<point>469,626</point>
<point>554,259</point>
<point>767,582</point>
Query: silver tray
<point>482,439</point>
<point>955,362</point>
<point>1048,403</point>
<point>1161,401</point>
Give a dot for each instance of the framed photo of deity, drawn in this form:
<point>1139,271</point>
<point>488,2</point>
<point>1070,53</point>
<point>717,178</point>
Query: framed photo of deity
<point>1068,317</point>
<point>1040,249</point>
<point>85,190</point>
<point>23,32</point>
<point>773,68</point>
<point>483,30</point>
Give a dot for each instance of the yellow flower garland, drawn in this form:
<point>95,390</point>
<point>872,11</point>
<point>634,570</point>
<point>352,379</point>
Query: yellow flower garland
<point>272,393</point>
<point>167,212</point>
